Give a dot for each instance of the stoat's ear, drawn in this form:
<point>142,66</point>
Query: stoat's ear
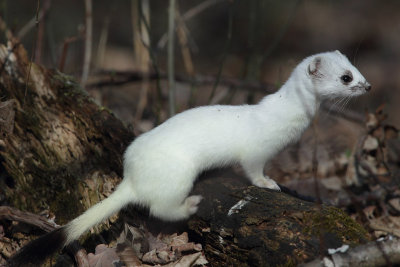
<point>315,66</point>
<point>338,52</point>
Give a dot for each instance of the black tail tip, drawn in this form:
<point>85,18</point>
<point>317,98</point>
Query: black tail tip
<point>36,252</point>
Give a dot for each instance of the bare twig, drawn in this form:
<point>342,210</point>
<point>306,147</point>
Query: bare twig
<point>315,161</point>
<point>141,41</point>
<point>88,42</point>
<point>281,33</point>
<point>32,23</point>
<point>101,48</point>
<point>123,77</point>
<point>188,15</point>
<point>33,51</point>
<point>171,64</point>
<point>183,32</point>
<point>5,29</point>
<point>64,52</point>
<point>158,102</point>
<point>225,52</point>
<point>183,42</point>
<point>322,243</point>
<point>40,31</point>
<point>39,43</point>
<point>13,214</point>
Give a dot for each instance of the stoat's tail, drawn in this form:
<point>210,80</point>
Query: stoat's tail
<point>122,196</point>
<point>39,249</point>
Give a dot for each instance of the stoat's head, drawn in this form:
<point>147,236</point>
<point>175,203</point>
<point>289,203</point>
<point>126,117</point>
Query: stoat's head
<point>333,75</point>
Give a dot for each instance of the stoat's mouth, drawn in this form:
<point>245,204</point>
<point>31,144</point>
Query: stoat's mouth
<point>361,87</point>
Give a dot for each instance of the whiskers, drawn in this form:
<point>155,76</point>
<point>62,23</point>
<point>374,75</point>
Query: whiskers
<point>338,106</point>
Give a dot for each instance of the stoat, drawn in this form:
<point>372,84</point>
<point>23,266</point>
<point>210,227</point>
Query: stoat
<point>161,166</point>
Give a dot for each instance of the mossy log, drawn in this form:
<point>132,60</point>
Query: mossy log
<point>243,225</point>
<point>61,152</point>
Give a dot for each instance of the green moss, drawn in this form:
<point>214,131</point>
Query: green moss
<point>334,220</point>
<point>102,108</point>
<point>69,88</point>
<point>289,263</point>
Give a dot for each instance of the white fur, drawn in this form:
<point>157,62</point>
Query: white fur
<point>161,166</point>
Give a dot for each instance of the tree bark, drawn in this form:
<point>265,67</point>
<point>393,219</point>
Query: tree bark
<point>61,152</point>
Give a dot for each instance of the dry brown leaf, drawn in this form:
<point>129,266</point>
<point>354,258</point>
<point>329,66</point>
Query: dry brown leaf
<point>381,225</point>
<point>156,242</point>
<point>103,257</point>
<point>370,143</point>
<point>128,255</point>
<point>395,203</point>
<point>159,257</point>
<point>369,212</point>
<point>332,183</point>
<point>372,121</point>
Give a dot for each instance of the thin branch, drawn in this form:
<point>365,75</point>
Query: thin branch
<point>188,15</point>
<point>170,57</point>
<point>282,32</point>
<point>322,243</point>
<point>183,42</point>
<point>183,36</point>
<point>102,46</point>
<point>64,52</point>
<point>88,42</point>
<point>33,51</point>
<point>141,42</point>
<point>40,31</point>
<point>32,23</point>
<point>225,52</point>
<point>124,77</point>
<point>157,105</point>
<point>7,32</point>
<point>12,214</point>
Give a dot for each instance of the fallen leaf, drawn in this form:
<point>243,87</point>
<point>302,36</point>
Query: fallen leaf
<point>103,257</point>
<point>128,255</point>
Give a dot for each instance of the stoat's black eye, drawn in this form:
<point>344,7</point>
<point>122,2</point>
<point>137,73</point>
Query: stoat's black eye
<point>346,78</point>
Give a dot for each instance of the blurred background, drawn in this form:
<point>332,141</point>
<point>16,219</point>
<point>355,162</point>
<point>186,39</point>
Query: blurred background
<point>225,52</point>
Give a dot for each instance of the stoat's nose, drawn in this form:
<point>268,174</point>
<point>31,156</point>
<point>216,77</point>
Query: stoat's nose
<point>367,86</point>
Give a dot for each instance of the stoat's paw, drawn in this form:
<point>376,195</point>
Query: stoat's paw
<point>192,203</point>
<point>267,182</point>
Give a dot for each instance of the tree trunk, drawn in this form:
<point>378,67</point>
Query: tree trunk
<point>61,152</point>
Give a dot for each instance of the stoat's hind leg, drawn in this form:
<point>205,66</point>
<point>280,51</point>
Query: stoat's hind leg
<point>171,211</point>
